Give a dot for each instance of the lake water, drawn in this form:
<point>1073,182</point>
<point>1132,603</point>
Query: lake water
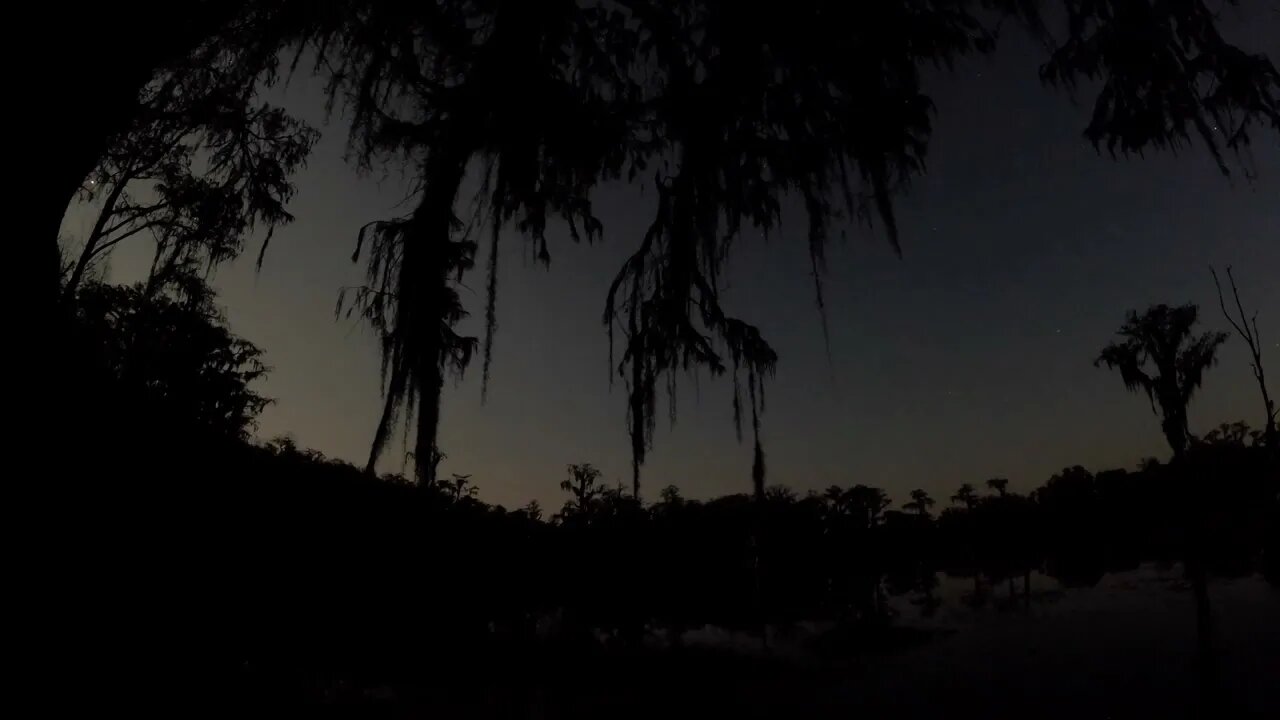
<point>1123,648</point>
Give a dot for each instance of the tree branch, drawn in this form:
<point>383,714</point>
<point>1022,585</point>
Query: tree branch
<point>1248,329</point>
<point>90,243</point>
<point>1223,303</point>
<point>135,216</point>
<point>1240,307</point>
<point>116,240</point>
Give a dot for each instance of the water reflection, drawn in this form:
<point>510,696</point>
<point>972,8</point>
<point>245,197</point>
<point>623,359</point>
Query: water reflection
<point>1129,644</point>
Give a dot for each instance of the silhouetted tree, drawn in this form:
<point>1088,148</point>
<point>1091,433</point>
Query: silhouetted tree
<point>583,483</point>
<point>1167,75</point>
<point>172,352</point>
<point>283,444</point>
<point>624,569</point>
<point>201,164</point>
<point>441,86</point>
<point>83,114</point>
<point>867,504</point>
<point>1233,434</point>
<point>1158,355</point>
<point>562,95</point>
<point>1070,513</point>
<point>676,84</point>
<point>1206,86</point>
<point>962,528</point>
<point>734,141</point>
<point>670,497</point>
<point>1247,327</point>
<point>780,495</point>
<point>532,510</point>
<point>1000,485</point>
<point>965,496</point>
<point>459,487</point>
<point>920,503</point>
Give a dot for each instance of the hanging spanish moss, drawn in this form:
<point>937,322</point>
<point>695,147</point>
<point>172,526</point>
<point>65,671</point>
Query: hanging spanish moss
<point>749,111</point>
<point>412,304</point>
<point>674,323</point>
<point>490,310</point>
<point>735,110</point>
<point>515,92</point>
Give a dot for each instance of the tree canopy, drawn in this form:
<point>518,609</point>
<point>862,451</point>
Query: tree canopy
<point>168,349</point>
<point>203,162</point>
<point>1159,355</point>
<point>725,110</point>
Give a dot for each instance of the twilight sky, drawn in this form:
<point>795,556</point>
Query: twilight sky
<point>969,358</point>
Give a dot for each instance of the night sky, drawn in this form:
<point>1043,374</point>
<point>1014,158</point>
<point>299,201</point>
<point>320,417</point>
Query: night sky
<point>969,358</point>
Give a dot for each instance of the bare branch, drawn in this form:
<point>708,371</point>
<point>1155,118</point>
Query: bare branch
<point>90,243</point>
<point>1248,329</point>
<point>102,247</point>
<point>1223,303</point>
<point>140,213</point>
<point>1240,307</point>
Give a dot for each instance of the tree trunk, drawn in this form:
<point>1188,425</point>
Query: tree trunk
<point>95,236</point>
<point>79,112</point>
<point>430,285</point>
<point>429,261</point>
<point>1175,430</point>
<point>1271,433</point>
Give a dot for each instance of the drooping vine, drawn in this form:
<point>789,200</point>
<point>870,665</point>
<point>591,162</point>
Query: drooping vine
<point>518,91</point>
<point>750,111</point>
<point>738,111</point>
<point>413,305</point>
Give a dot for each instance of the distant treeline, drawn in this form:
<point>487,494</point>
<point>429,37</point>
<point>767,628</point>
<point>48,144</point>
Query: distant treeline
<point>279,552</point>
<point>317,552</point>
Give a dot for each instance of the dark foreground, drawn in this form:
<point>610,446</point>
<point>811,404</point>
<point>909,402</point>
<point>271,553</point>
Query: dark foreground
<point>1125,648</point>
<point>257,581</point>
